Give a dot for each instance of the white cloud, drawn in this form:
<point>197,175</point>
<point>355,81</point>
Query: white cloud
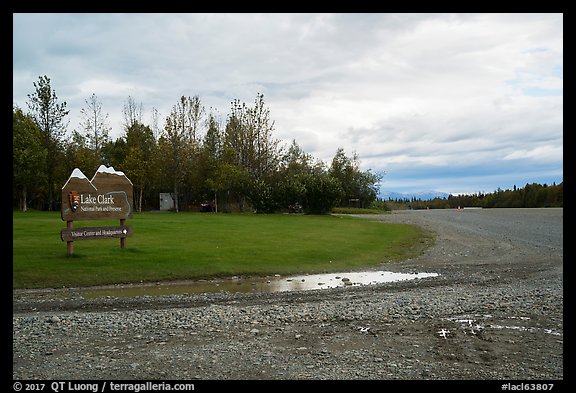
<point>420,90</point>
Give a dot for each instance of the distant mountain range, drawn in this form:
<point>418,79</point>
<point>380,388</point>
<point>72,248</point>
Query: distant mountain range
<point>422,195</point>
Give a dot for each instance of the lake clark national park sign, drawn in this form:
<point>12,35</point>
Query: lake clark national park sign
<point>109,195</point>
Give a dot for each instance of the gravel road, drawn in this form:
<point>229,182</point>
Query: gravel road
<point>494,312</point>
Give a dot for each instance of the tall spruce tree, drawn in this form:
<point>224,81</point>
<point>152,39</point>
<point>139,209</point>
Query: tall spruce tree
<point>49,115</point>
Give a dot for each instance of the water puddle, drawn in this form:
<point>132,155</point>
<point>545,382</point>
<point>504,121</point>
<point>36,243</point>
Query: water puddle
<point>334,280</point>
<point>268,284</point>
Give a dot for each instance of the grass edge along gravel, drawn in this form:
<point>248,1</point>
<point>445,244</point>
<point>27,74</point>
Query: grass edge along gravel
<point>176,246</point>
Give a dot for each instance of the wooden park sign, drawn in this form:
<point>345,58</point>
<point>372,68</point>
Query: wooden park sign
<point>109,195</point>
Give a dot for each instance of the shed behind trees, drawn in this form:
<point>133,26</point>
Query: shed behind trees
<point>166,201</point>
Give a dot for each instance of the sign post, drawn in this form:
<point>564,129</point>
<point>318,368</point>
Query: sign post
<point>70,243</point>
<point>108,195</point>
<point>122,239</point>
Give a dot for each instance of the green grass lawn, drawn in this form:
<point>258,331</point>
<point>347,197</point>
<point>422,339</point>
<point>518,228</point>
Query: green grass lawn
<point>170,246</point>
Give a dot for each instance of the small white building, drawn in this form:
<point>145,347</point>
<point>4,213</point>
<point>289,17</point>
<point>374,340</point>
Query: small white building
<point>166,201</point>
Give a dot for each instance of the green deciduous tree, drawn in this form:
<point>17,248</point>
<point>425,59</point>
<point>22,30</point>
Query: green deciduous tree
<point>138,161</point>
<point>79,154</point>
<point>249,144</point>
<point>360,187</point>
<point>265,148</point>
<point>179,145</point>
<point>321,192</point>
<point>28,156</point>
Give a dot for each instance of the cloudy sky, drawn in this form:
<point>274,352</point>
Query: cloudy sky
<point>458,103</point>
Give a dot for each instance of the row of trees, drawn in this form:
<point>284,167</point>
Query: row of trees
<point>531,195</point>
<point>238,165</point>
